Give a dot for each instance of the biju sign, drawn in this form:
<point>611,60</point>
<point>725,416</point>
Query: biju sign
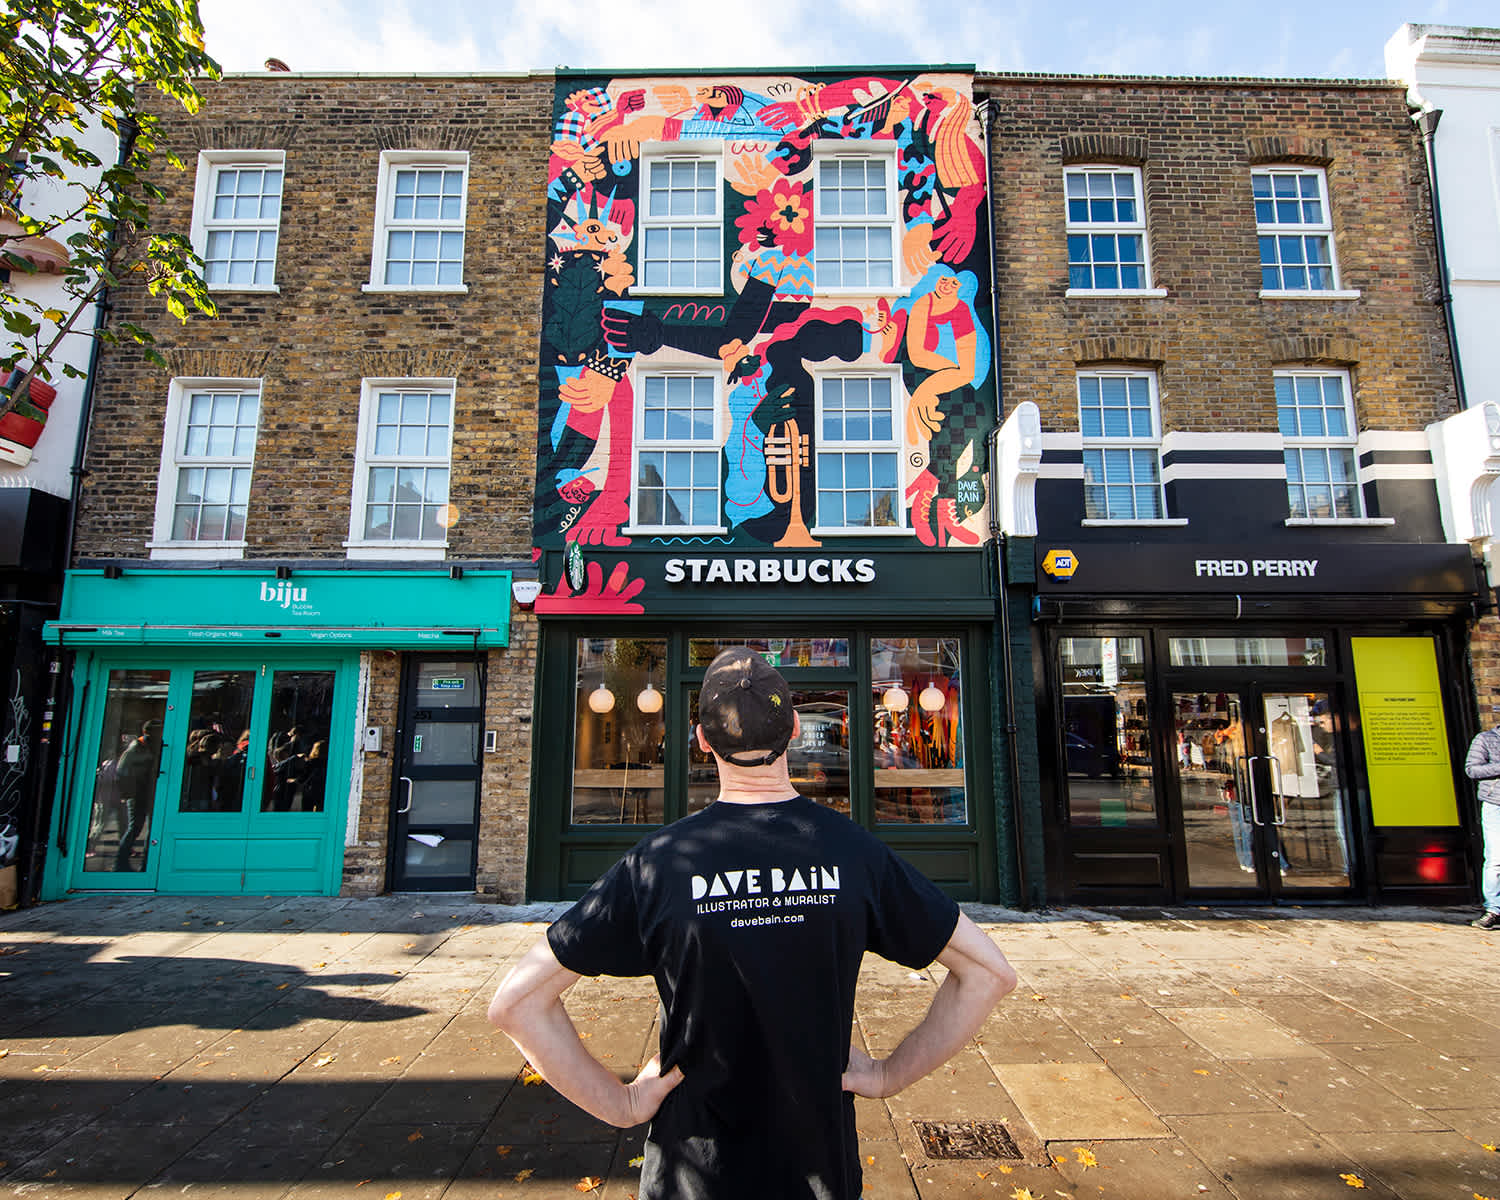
<point>354,608</point>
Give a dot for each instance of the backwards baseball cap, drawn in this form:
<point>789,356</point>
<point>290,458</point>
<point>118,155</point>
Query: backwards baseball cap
<point>745,707</point>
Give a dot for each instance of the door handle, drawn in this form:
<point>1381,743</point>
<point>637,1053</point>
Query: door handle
<point>405,808</point>
<point>1279,817</point>
<point>1254,796</point>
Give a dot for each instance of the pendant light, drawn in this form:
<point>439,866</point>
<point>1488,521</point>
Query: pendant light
<point>895,700</point>
<point>601,700</point>
<point>649,701</point>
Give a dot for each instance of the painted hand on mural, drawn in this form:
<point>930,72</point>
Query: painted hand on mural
<point>599,524</point>
<point>917,254</point>
<point>752,172</point>
<point>624,141</point>
<point>955,233</point>
<point>598,596</point>
<point>586,165</point>
<point>638,333</point>
<point>589,392</point>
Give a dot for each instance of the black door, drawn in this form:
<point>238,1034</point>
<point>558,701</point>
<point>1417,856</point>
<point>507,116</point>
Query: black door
<point>1261,796</point>
<point>435,821</point>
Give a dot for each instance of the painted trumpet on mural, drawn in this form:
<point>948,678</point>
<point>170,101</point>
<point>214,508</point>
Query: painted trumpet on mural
<point>787,455</point>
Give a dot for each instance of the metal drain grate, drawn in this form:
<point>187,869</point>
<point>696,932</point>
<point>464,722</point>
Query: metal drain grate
<point>966,1139</point>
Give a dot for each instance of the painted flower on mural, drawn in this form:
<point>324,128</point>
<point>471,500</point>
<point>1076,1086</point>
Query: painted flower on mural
<point>781,216</point>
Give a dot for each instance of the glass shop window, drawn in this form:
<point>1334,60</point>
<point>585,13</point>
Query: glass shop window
<point>918,739</point>
<point>620,731</point>
<point>1106,731</point>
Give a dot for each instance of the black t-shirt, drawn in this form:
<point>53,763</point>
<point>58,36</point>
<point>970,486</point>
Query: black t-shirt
<point>753,919</point>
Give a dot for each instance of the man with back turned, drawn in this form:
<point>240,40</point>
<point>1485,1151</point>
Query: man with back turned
<point>752,916</point>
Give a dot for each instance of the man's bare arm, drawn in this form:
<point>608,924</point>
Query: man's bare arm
<point>978,976</point>
<point>528,1008</point>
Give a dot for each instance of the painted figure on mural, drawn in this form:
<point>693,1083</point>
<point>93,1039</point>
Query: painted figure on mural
<point>899,298</point>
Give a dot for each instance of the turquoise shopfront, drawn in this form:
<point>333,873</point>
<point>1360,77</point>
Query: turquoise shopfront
<point>214,741</point>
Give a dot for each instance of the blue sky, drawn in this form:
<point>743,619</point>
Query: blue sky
<point>1156,37</point>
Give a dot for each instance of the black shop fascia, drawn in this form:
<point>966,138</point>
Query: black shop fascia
<point>699,580</point>
<point>1076,579</point>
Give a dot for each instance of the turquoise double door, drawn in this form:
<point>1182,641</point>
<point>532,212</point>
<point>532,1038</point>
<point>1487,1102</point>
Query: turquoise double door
<point>213,775</point>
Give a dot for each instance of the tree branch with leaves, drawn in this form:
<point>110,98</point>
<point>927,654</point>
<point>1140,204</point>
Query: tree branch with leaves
<point>70,67</point>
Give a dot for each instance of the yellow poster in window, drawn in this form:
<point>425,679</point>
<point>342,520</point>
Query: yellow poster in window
<point>1405,735</point>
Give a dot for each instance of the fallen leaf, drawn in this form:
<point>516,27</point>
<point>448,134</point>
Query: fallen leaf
<point>393,1196</point>
<point>1004,1170</point>
<point>530,1077</point>
<point>502,1151</point>
<point>1490,1148</point>
<point>386,1062</point>
<point>3,1053</point>
<point>414,1136</point>
<point>871,1160</point>
<point>523,1176</point>
<point>982,1174</point>
<point>281,987</point>
<point>361,1183</point>
<point>1353,1181</point>
<point>1085,1156</point>
<point>1037,996</point>
<point>325,1060</point>
<point>317,965</point>
<point>639,1159</point>
<point>588,1183</point>
<point>1477,1196</point>
<point>1021,1193</point>
<point>1060,1159</point>
<point>1201,1071</point>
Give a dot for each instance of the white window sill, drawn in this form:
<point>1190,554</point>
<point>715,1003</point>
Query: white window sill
<point>1342,294</point>
<point>455,289</point>
<point>861,531</point>
<point>1293,522</point>
<point>673,530</point>
<point>269,289</point>
<point>196,550</point>
<point>1114,293</point>
<point>892,293</point>
<point>396,551</point>
<point>716,295</point>
<point>1095,522</point>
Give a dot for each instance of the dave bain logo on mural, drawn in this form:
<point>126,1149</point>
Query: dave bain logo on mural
<point>766,313</point>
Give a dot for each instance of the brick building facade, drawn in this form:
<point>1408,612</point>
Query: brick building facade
<point>337,171</point>
<point>1220,297</point>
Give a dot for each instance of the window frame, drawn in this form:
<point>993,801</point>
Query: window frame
<point>1301,229</point>
<point>391,163</point>
<point>641,443</point>
<point>1136,228</point>
<point>358,546</point>
<point>709,152</point>
<point>864,151</point>
<point>1349,443</point>
<point>203,223</point>
<point>1131,442</point>
<point>174,460</point>
<point>893,446</point>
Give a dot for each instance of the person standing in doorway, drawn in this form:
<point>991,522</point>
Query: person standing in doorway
<point>136,776</point>
<point>753,916</point>
<point>1483,764</point>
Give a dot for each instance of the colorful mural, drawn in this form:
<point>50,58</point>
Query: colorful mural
<point>766,318</point>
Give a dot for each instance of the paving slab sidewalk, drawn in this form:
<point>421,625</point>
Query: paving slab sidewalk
<point>263,1048</point>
